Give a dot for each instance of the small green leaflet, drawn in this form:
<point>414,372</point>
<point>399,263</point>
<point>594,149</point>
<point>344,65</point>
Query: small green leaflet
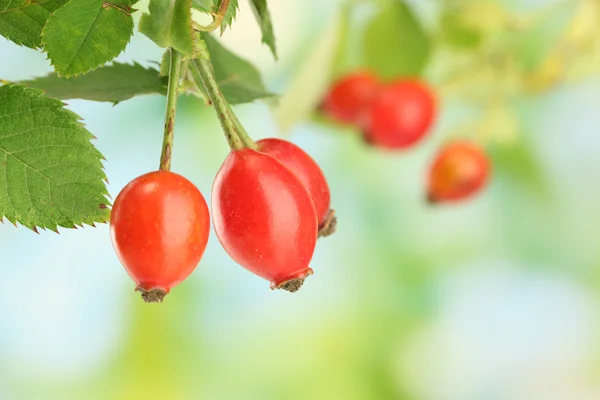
<point>229,15</point>
<point>22,20</point>
<point>239,80</point>
<point>113,83</point>
<point>50,173</point>
<point>203,5</point>
<point>406,48</point>
<point>169,24</point>
<point>84,34</point>
<point>263,17</point>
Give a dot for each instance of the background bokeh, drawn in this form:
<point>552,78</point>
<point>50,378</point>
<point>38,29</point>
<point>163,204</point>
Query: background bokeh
<point>493,299</point>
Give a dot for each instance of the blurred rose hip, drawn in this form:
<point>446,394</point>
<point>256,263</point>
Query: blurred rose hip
<point>459,171</point>
<point>400,115</point>
<point>348,98</point>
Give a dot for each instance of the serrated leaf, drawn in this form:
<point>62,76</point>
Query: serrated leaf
<point>263,17</point>
<point>50,173</point>
<point>169,24</point>
<point>113,83</point>
<point>203,5</point>
<point>229,15</point>
<point>395,44</point>
<point>21,21</point>
<point>84,34</point>
<point>239,80</point>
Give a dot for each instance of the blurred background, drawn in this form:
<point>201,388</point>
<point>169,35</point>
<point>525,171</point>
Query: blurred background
<point>497,298</point>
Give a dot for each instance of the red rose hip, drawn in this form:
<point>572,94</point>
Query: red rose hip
<point>264,218</point>
<point>460,170</point>
<point>310,175</point>
<point>159,226</point>
<point>400,115</point>
<point>348,97</point>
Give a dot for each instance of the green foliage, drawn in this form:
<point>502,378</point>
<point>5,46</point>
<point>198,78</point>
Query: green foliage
<point>203,5</point>
<point>113,83</point>
<point>169,24</point>
<point>22,20</point>
<point>395,43</point>
<point>84,34</point>
<point>538,41</point>
<point>50,173</point>
<point>261,12</point>
<point>229,15</point>
<point>239,80</point>
<point>457,33</point>
<point>312,79</point>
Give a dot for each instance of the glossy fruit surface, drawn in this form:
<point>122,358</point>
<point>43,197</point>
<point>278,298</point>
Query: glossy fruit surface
<point>159,228</point>
<point>304,167</point>
<point>349,97</point>
<point>400,115</point>
<point>264,218</point>
<point>460,170</point>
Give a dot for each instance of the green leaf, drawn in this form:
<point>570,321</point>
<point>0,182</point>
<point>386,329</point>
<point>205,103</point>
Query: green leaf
<point>395,43</point>
<point>239,80</point>
<point>229,15</point>
<point>169,24</point>
<point>84,34</point>
<point>312,79</point>
<point>165,63</point>
<point>538,41</point>
<point>203,5</point>
<point>261,12</point>
<point>22,20</point>
<point>457,33</point>
<point>50,173</point>
<point>113,83</point>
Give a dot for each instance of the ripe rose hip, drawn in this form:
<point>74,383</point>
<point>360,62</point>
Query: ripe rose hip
<point>460,170</point>
<point>309,173</point>
<point>265,218</point>
<point>159,226</point>
<point>349,97</point>
<point>400,115</point>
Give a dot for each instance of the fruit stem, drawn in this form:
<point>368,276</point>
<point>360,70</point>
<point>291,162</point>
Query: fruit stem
<point>172,94</point>
<point>217,18</point>
<point>236,135</point>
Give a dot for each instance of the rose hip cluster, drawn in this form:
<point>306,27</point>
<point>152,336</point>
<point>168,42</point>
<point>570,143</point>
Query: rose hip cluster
<point>397,115</point>
<point>270,203</point>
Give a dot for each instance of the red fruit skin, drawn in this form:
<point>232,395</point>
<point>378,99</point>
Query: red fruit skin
<point>349,97</point>
<point>460,170</point>
<point>159,226</point>
<point>400,115</point>
<point>304,167</point>
<point>264,217</point>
